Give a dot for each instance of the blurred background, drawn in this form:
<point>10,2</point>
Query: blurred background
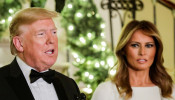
<point>88,33</point>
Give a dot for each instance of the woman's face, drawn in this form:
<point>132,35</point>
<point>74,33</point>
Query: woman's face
<point>140,51</point>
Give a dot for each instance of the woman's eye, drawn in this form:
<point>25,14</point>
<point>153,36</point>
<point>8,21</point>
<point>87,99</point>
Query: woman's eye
<point>135,45</point>
<point>149,45</point>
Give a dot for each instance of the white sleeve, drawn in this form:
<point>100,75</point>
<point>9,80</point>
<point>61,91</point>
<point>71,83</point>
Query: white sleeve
<point>173,94</point>
<point>103,92</point>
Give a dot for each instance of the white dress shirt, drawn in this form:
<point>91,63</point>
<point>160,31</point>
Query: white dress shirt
<point>40,89</point>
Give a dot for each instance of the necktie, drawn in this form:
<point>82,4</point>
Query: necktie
<point>47,76</point>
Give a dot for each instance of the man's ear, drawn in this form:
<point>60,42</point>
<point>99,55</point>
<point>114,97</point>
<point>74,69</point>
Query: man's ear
<point>18,43</point>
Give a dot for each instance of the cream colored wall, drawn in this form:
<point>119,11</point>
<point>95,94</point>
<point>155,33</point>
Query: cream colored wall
<point>165,25</point>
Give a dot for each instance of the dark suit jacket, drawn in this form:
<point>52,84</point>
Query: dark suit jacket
<point>13,85</point>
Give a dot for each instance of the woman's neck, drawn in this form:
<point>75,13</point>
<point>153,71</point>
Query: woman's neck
<point>139,78</point>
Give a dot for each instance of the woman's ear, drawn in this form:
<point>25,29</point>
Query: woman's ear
<point>17,41</point>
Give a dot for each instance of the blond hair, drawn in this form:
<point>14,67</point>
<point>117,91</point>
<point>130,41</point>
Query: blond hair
<point>158,74</point>
<point>27,17</point>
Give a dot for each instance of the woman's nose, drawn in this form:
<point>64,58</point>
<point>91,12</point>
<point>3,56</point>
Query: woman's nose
<point>141,51</point>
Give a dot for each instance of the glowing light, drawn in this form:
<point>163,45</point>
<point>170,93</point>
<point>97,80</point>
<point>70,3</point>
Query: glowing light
<point>78,59</point>
<point>2,21</point>
<point>87,90</point>
<point>89,35</point>
<point>86,74</point>
<point>103,43</point>
<point>71,27</point>
<point>11,11</point>
<point>89,15</point>
<point>110,61</point>
<point>82,40</point>
<point>103,49</point>
<point>102,25</point>
<point>75,55</point>
<point>97,15</point>
<point>10,19</point>
<point>102,34</point>
<point>79,14</point>
<point>93,12</point>
<point>69,6</point>
<point>91,77</point>
<point>88,85</point>
<point>88,62</point>
<point>112,72</point>
<point>95,46</point>
<point>97,65</point>
<point>102,63</point>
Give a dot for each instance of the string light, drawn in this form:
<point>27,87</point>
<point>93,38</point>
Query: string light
<point>78,59</point>
<point>88,85</point>
<point>82,39</point>
<point>95,46</point>
<point>103,43</point>
<point>2,21</point>
<point>89,35</point>
<point>11,11</point>
<point>102,34</point>
<point>9,18</point>
<point>102,25</point>
<point>89,14</point>
<point>97,64</point>
<point>88,62</point>
<point>86,74</point>
<point>110,61</point>
<point>70,5</point>
<point>97,16</point>
<point>75,55</point>
<point>112,72</point>
<point>87,90</point>
<point>70,27</point>
<point>102,63</point>
<point>79,15</point>
<point>91,77</point>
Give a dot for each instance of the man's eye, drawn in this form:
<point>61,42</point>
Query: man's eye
<point>149,45</point>
<point>135,45</point>
<point>42,33</point>
<point>54,32</point>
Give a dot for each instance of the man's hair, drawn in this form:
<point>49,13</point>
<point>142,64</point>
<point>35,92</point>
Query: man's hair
<point>26,17</point>
<point>157,74</point>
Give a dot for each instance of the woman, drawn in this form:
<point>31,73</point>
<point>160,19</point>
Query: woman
<point>140,71</point>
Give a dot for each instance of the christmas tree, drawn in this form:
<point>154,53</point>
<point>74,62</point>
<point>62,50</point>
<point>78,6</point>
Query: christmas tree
<point>9,7</point>
<point>86,40</point>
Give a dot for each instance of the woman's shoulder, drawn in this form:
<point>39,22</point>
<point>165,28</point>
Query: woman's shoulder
<point>108,86</point>
<point>105,91</point>
<point>173,94</point>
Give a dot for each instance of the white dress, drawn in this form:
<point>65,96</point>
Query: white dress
<point>108,91</point>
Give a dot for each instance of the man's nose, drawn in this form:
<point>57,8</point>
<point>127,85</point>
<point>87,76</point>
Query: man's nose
<point>50,38</point>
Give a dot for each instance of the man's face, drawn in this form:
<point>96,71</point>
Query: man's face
<point>40,44</point>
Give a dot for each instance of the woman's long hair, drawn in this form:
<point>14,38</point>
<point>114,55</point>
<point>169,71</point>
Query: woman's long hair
<point>157,73</point>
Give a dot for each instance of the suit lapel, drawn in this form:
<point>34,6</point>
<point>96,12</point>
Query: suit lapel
<point>18,83</point>
<point>59,88</point>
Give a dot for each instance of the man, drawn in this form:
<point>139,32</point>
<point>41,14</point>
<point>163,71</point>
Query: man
<point>34,42</point>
